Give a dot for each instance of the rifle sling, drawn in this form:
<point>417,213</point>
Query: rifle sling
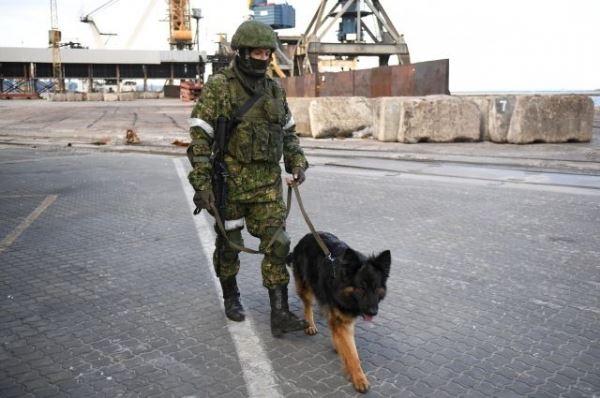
<point>241,111</point>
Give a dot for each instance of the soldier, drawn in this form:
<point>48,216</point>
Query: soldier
<point>265,132</point>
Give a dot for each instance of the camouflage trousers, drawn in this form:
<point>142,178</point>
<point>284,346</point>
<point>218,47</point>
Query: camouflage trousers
<point>263,221</point>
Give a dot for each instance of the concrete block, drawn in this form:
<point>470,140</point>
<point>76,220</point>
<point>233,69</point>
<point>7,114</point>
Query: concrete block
<point>148,94</point>
<point>551,118</point>
<point>339,116</point>
<point>500,112</point>
<point>438,118</point>
<point>93,97</point>
<point>57,97</point>
<point>299,108</point>
<point>111,97</point>
<point>484,103</point>
<point>386,118</point>
<point>74,97</point>
<point>130,96</point>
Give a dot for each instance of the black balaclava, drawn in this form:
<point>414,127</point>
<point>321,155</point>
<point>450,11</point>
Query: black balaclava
<point>253,68</point>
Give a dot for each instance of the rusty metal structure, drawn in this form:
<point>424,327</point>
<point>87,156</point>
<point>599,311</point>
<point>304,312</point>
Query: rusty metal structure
<point>423,78</point>
<point>355,36</point>
<point>180,26</point>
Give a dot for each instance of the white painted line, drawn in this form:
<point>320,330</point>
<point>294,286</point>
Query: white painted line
<point>10,238</point>
<point>256,366</point>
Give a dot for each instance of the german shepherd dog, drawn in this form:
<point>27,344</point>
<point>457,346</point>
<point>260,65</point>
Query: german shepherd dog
<point>351,285</point>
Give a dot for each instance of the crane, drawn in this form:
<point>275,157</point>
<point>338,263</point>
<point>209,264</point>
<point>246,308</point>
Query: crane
<point>353,33</point>
<point>140,24</point>
<point>180,25</point>
<point>54,37</point>
<point>97,34</point>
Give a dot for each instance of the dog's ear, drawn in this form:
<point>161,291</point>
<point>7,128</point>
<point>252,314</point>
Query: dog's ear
<point>383,262</point>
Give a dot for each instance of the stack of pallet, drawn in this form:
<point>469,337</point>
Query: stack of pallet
<point>189,90</point>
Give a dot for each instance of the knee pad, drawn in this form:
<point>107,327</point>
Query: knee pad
<point>229,254</point>
<point>281,245</point>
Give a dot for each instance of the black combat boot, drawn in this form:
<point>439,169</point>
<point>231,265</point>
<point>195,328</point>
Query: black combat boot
<point>282,320</point>
<point>231,298</point>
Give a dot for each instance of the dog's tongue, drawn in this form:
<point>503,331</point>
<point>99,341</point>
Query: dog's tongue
<point>367,318</point>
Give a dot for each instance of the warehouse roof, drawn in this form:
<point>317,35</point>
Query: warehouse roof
<point>87,56</point>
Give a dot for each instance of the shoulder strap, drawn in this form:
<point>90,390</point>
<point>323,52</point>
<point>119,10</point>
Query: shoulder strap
<point>239,112</point>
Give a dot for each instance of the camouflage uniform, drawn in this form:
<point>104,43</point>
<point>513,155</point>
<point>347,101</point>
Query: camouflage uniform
<point>254,149</point>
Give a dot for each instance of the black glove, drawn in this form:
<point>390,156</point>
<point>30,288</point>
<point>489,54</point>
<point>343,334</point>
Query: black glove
<point>299,176</point>
<point>204,199</point>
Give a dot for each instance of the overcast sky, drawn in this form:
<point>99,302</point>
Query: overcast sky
<point>492,45</point>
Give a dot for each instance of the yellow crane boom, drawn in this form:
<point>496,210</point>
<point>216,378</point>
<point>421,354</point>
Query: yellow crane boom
<point>180,24</point>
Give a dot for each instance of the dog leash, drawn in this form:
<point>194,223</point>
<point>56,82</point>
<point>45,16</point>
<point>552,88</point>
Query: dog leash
<point>320,242</point>
<point>292,187</point>
<point>243,248</point>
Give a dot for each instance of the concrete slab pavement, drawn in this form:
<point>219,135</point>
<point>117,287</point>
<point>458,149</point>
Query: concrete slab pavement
<point>109,292</point>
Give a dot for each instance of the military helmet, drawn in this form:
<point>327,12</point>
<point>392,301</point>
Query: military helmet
<point>253,34</point>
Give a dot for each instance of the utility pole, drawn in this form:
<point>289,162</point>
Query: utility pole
<point>54,37</point>
<point>197,15</point>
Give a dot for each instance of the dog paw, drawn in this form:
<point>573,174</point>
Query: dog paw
<point>360,383</point>
<point>311,330</point>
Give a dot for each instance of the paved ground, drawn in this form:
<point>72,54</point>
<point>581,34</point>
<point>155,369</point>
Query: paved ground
<point>106,288</point>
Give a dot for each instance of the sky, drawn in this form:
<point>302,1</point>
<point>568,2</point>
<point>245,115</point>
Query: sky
<point>508,45</point>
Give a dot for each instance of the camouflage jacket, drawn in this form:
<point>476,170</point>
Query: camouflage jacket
<point>254,148</point>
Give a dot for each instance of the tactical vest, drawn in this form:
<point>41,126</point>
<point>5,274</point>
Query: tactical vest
<point>259,135</point>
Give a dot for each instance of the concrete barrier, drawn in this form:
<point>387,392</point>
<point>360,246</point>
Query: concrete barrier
<point>551,118</point>
<point>339,116</point>
<point>522,119</point>
<point>299,108</point>
<point>66,97</point>
<point>484,104</point>
<point>75,97</point>
<point>57,97</point>
<point>110,97</point>
<point>93,96</point>
<point>148,94</point>
<point>438,118</point>
<point>514,119</point>
<point>498,116</point>
<point>386,118</point>
<point>130,96</point>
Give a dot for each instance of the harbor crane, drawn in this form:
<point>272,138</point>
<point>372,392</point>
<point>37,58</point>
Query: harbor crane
<point>100,43</point>
<point>180,25</point>
<point>355,36</point>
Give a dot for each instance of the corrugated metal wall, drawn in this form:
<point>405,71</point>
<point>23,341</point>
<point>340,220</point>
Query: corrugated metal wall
<point>423,78</point>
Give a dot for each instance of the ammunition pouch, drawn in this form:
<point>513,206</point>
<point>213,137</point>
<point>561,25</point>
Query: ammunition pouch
<point>256,142</point>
